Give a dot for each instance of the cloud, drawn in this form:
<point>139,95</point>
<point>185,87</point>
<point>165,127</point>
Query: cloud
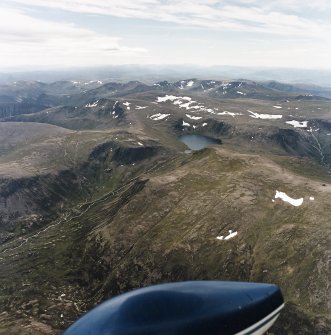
<point>283,17</point>
<point>26,40</point>
<point>297,5</point>
<point>283,32</point>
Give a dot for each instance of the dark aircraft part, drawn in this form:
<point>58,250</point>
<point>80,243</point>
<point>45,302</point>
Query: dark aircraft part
<point>186,308</point>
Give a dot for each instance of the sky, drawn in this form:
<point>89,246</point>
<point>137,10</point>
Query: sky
<point>48,34</point>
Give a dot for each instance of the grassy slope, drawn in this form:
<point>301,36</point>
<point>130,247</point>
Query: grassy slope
<point>170,229</point>
<point>164,228</point>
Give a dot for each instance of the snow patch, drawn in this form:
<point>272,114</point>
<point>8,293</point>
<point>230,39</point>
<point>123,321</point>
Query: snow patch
<point>197,107</point>
<point>182,102</point>
<point>190,83</point>
<point>279,107</point>
<point>204,124</point>
<point>158,116</point>
<point>193,117</point>
<point>93,104</point>
<point>242,93</point>
<point>186,105</point>
<point>265,116</point>
<point>229,236</point>
<point>184,98</point>
<point>189,104</point>
<point>139,143</point>
<point>167,98</point>
<point>208,110</point>
<point>229,113</point>
<point>116,102</point>
<point>298,124</point>
<point>127,104</point>
<point>311,198</point>
<point>286,198</point>
<point>141,107</point>
<point>185,124</point>
<point>92,81</point>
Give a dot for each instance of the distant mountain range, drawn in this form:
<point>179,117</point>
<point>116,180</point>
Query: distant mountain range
<point>77,91</point>
<point>152,73</point>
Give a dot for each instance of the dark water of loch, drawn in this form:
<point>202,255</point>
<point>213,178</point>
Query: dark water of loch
<point>198,142</point>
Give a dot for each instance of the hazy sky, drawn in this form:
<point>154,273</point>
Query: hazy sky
<point>66,33</point>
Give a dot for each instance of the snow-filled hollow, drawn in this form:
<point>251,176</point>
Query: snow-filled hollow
<point>286,198</point>
<point>298,124</point>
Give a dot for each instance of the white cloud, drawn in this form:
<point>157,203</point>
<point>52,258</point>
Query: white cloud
<point>297,5</point>
<point>267,33</point>
<point>281,17</point>
<point>29,41</point>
